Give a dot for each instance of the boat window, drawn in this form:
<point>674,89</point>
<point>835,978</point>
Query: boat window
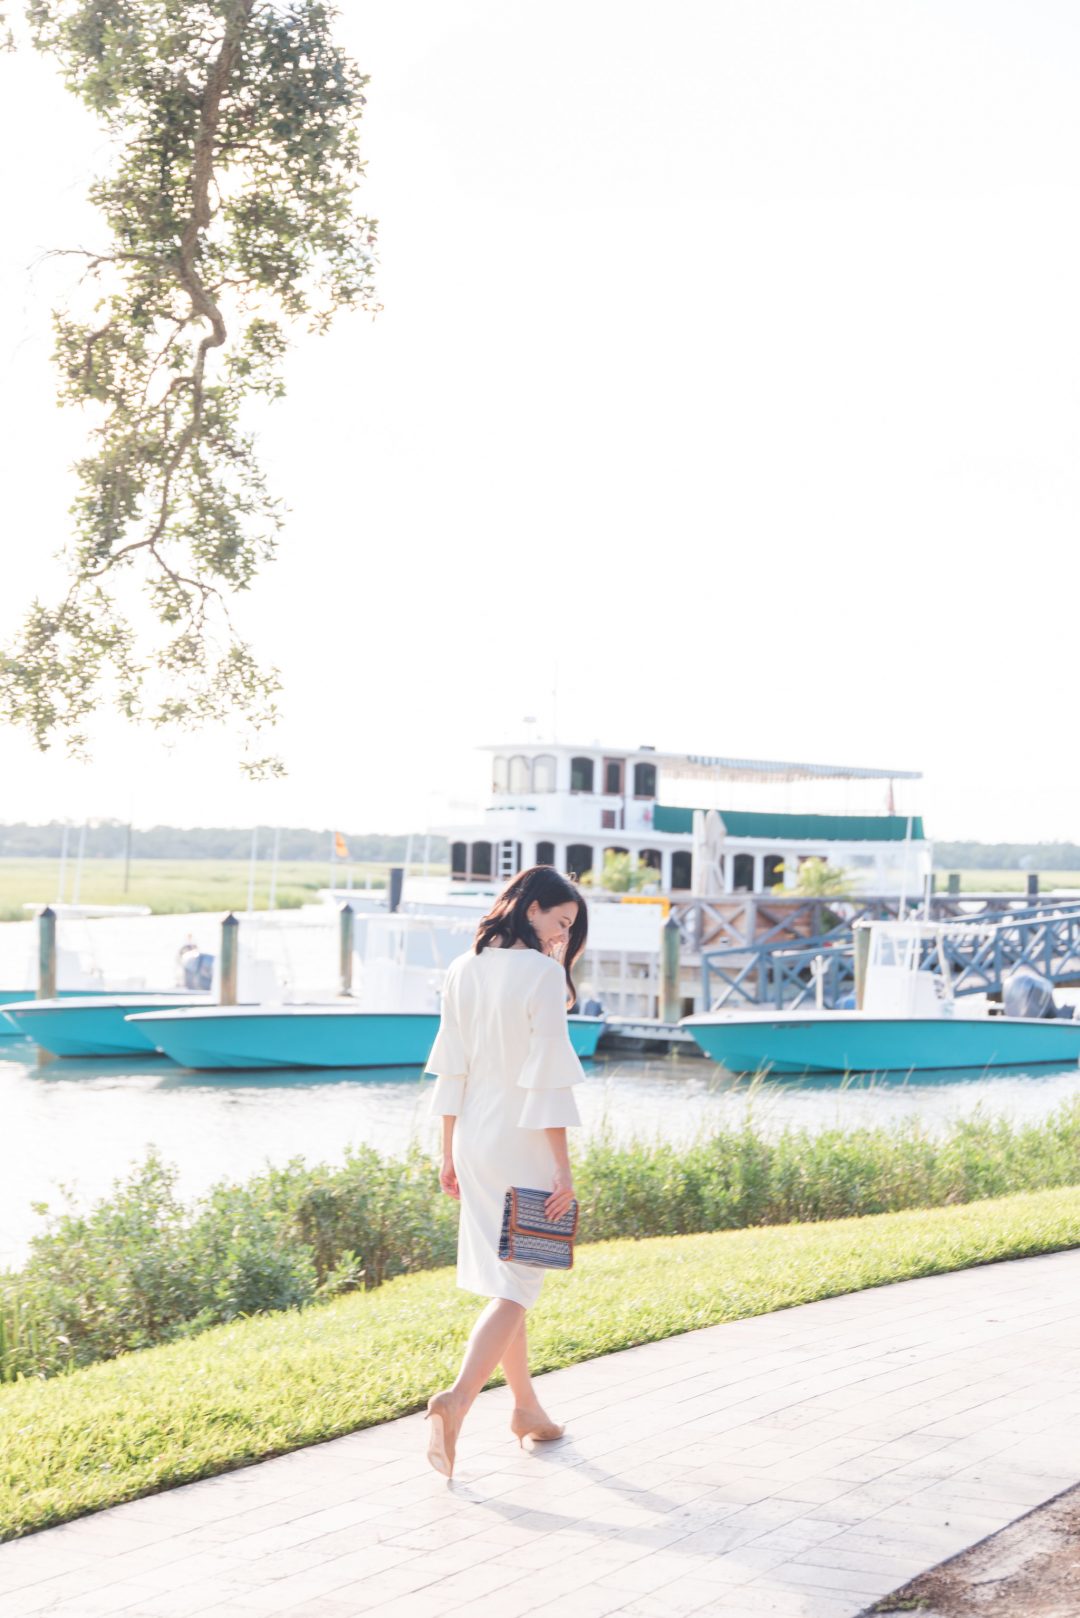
<point>481,859</point>
<point>890,950</point>
<point>581,775</point>
<point>743,877</point>
<point>613,775</point>
<point>579,859</point>
<point>499,775</point>
<point>644,780</point>
<point>458,859</point>
<point>545,853</point>
<point>681,868</point>
<point>543,773</point>
<point>519,773</point>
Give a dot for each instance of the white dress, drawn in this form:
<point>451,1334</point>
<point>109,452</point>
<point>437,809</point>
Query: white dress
<point>505,1069</point>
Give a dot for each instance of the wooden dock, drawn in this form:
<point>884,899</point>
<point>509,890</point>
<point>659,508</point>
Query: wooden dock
<point>646,1034</point>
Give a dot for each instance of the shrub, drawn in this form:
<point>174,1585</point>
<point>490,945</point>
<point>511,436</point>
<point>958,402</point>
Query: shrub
<point>141,1268</point>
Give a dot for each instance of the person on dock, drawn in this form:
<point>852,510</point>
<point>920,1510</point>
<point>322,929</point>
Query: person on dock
<point>505,1071</point>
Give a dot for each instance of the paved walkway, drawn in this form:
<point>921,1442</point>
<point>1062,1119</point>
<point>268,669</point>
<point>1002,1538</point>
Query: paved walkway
<point>800,1464</point>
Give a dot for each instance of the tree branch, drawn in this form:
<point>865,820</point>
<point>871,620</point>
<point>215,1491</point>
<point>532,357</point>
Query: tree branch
<point>237,163</point>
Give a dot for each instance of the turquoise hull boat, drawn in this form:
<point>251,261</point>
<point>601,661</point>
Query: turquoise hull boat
<point>585,1033</point>
<point>253,1037</point>
<point>861,1042</point>
<point>90,1025</point>
<point>8,1030</point>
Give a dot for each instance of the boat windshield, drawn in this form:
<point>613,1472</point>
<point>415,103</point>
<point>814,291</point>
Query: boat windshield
<point>897,949</point>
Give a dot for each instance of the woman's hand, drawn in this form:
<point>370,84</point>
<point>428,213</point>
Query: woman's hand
<point>562,1195</point>
<point>448,1178</point>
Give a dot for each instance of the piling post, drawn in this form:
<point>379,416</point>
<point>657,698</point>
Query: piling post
<point>670,1004</point>
<point>46,989</point>
<point>230,958</point>
<point>860,934</point>
<point>347,920</point>
<point>1033,884</point>
<point>954,884</point>
<point>396,881</point>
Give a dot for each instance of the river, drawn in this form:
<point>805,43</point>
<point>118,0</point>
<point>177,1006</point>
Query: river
<point>82,1124</point>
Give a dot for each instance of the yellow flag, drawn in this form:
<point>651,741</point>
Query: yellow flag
<point>341,847</point>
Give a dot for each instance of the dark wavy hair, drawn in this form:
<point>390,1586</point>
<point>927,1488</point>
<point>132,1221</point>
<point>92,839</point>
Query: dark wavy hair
<point>508,917</point>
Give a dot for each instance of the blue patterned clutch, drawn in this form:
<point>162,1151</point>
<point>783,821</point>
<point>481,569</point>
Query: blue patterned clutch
<point>528,1236</point>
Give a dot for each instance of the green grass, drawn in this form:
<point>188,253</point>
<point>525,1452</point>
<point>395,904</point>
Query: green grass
<point>1007,881</point>
<point>179,886</point>
<point>265,1385</point>
<point>173,886</point>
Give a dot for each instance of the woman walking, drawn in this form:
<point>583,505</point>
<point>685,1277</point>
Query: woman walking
<point>505,1068</point>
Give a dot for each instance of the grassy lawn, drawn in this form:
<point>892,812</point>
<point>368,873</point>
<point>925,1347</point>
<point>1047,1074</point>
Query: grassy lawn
<point>173,886</point>
<point>1007,881</point>
<point>261,1386</point>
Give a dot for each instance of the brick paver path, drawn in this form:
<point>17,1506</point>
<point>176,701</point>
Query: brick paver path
<point>799,1464</point>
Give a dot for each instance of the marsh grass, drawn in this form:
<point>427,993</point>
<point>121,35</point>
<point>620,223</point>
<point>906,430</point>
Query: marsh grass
<point>175,886</point>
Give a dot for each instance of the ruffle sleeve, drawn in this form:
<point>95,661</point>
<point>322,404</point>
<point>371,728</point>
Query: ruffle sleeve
<point>551,1068</point>
<point>447,1060</point>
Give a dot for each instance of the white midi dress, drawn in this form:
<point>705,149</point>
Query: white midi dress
<point>505,1069</point>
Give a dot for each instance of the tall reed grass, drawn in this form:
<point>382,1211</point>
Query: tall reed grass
<point>140,1267</point>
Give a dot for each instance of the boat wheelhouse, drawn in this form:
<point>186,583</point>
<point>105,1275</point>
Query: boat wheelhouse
<point>569,805</point>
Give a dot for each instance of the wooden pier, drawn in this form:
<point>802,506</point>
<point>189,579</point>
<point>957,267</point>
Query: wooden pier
<point>982,946</point>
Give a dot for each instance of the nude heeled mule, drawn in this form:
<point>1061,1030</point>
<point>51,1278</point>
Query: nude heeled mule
<point>523,1425</point>
<point>442,1442</point>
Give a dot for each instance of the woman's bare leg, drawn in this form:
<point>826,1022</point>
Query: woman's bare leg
<point>535,1422</point>
<point>515,1364</point>
<point>495,1328</point>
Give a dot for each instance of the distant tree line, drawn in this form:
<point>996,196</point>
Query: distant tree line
<point>1007,856</point>
<point>108,838</point>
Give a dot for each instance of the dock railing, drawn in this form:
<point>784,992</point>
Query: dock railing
<point>991,936</point>
<point>732,919</point>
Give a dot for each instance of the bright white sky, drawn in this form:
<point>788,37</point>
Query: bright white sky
<point>728,378</point>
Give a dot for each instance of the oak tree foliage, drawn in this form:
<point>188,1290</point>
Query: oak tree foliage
<point>230,220</point>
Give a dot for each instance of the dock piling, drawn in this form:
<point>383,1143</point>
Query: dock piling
<point>670,1003</point>
<point>46,989</point>
<point>347,919</point>
<point>230,959</point>
<point>860,940</point>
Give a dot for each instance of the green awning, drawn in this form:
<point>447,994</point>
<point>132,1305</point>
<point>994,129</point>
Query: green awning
<point>797,828</point>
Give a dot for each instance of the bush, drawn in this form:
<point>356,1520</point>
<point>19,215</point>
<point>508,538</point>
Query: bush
<point>139,1268</point>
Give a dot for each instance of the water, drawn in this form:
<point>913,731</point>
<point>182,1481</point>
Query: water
<point>83,1123</point>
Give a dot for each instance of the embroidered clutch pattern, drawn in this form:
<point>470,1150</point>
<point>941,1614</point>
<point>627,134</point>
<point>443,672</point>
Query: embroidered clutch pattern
<point>528,1236</point>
